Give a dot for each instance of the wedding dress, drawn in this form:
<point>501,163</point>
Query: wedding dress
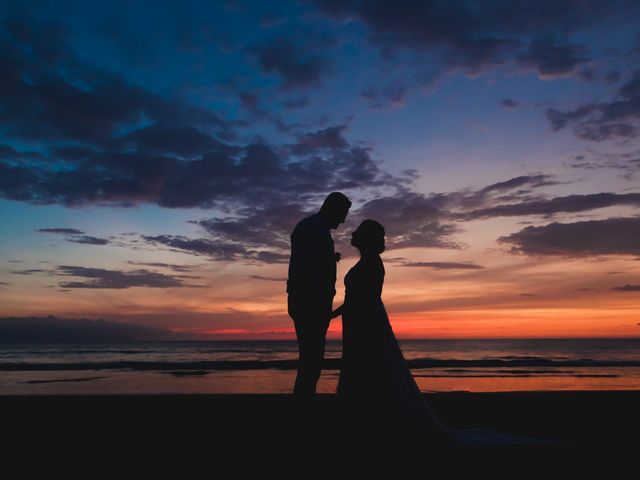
<point>376,387</point>
<point>375,383</point>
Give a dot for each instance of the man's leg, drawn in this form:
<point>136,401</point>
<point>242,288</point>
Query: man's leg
<point>300,388</point>
<point>311,331</point>
<point>311,354</point>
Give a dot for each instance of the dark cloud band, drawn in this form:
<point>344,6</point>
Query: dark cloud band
<point>613,236</point>
<point>117,279</point>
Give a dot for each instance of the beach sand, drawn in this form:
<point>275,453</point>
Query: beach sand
<point>215,427</point>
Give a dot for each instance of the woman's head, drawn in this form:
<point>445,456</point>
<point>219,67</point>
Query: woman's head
<point>369,237</point>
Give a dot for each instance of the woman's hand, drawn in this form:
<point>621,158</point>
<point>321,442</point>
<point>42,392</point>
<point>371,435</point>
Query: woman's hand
<point>337,312</point>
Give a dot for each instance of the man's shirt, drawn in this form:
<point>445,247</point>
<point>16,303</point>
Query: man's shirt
<point>312,265</point>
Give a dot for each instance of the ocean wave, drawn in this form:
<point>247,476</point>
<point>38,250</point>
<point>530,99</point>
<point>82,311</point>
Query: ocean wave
<point>522,375</point>
<point>525,357</point>
<point>64,380</point>
<point>329,364</point>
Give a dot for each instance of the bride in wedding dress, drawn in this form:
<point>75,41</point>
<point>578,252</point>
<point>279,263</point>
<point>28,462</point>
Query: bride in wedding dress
<point>376,386</point>
<point>376,389</point>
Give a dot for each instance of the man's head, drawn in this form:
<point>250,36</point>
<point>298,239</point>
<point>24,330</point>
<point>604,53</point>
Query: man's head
<point>335,209</point>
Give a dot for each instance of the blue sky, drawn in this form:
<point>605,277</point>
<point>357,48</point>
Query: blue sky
<point>154,157</point>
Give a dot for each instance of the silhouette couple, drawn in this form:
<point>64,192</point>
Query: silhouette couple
<point>376,389</point>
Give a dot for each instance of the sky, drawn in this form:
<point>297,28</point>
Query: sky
<point>155,157</point>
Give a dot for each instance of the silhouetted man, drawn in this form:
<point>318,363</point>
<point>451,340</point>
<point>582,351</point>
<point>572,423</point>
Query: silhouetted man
<point>311,287</point>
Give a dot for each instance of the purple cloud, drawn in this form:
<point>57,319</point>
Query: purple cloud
<point>613,236</point>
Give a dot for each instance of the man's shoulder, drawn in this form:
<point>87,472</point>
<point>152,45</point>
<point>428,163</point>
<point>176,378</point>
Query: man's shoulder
<point>312,222</point>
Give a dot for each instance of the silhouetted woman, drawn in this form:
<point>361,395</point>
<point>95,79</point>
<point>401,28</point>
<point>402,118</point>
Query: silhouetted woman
<point>376,388</point>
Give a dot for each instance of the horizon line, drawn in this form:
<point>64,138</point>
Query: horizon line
<point>635,337</point>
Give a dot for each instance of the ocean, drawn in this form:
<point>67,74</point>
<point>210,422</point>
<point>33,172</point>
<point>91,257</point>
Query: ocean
<point>256,367</point>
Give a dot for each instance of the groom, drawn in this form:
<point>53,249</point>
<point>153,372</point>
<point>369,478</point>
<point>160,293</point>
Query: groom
<point>311,287</point>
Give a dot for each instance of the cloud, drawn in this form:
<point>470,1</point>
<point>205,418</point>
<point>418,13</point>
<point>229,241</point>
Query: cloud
<point>627,162</point>
<point>531,181</point>
<point>117,279</point>
<point>97,150</point>
<point>184,141</point>
<point>65,231</point>
<point>86,239</point>
<point>29,271</point>
<point>476,35</point>
<point>421,25</point>
<point>294,64</point>
<point>587,73</point>
<point>267,226</point>
<point>278,193</point>
<point>86,104</point>
<point>509,103</point>
<point>198,246</point>
<point>270,257</point>
<point>515,189</point>
<point>77,236</point>
<point>328,138</point>
<point>217,250</point>
<point>170,266</point>
<point>251,103</point>
<point>269,279</point>
<point>613,236</point>
<point>444,265</point>
<point>391,95</point>
<point>628,288</point>
<point>295,103</point>
<point>411,219</point>
<point>570,203</point>
<point>103,139</point>
<point>552,58</point>
<point>7,151</point>
<point>613,76</point>
<point>599,121</point>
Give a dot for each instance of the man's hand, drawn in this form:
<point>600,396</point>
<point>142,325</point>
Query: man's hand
<point>337,312</point>
<point>338,256</point>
